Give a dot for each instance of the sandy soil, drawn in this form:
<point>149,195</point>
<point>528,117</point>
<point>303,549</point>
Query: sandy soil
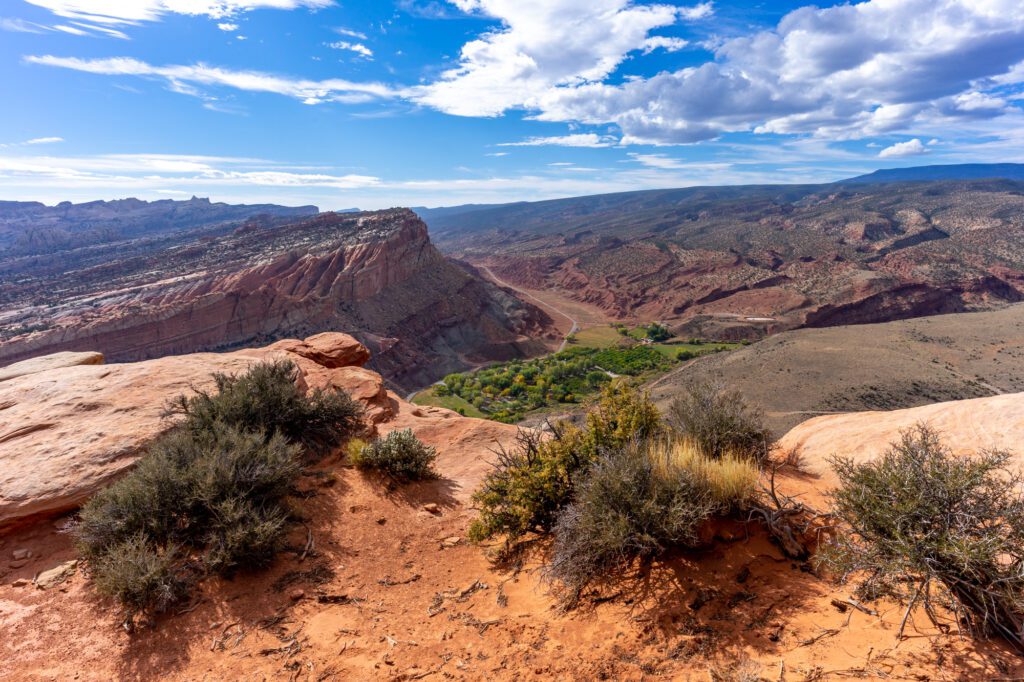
<point>386,593</point>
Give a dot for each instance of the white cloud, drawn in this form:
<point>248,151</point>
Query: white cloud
<point>542,44</point>
<point>664,43</point>
<point>131,171</point>
<point>497,154</point>
<point>137,11</point>
<point>358,48</point>
<point>848,71</point>
<point>657,161</point>
<point>16,25</point>
<point>227,26</point>
<point>701,11</point>
<point>184,79</point>
<point>33,141</point>
<point>575,140</point>
<point>358,35</point>
<point>900,149</point>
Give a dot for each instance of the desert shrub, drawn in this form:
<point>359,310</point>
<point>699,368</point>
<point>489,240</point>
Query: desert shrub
<point>719,421</point>
<point>210,494</point>
<point>926,525</point>
<point>139,575</point>
<point>626,508</point>
<point>535,479</point>
<point>400,454</point>
<point>267,398</point>
<point>730,480</point>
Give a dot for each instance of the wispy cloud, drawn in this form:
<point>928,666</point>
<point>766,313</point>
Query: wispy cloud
<point>575,140</point>
<point>33,141</point>
<point>358,48</point>
<point>184,78</point>
<point>126,12</point>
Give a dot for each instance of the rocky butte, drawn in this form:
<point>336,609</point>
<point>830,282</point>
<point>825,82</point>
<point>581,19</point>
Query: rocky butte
<point>375,275</point>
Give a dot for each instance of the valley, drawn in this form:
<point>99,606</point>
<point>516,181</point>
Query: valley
<point>746,262</point>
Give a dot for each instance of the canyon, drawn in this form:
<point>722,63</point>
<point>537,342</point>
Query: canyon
<point>746,262</point>
<point>374,275</point>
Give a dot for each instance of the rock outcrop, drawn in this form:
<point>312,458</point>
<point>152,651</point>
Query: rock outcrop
<point>68,431</point>
<point>374,275</point>
<point>967,426</point>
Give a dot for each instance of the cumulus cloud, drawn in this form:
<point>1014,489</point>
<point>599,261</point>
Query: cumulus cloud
<point>574,140</point>
<point>183,79</point>
<point>909,148</point>
<point>358,48</point>
<point>227,26</point>
<point>664,43</point>
<point>842,72</point>
<point>137,11</point>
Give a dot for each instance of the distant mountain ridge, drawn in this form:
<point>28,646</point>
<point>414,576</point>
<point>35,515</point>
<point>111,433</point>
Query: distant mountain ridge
<point>30,227</point>
<point>959,171</point>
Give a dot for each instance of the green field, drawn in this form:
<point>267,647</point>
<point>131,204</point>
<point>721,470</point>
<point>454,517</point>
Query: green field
<point>429,397</point>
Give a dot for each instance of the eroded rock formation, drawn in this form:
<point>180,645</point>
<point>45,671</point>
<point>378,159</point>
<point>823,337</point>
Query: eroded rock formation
<point>375,275</point>
<point>68,431</point>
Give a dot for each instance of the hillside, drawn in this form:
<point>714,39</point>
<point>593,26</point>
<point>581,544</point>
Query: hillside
<point>799,374</point>
<point>30,228</point>
<point>380,583</point>
<point>959,171</point>
<point>732,262</point>
<point>376,275</point>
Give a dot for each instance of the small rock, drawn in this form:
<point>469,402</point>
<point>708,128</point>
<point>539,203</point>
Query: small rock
<point>452,541</point>
<point>20,582</point>
<point>18,564</point>
<point>297,595</point>
<point>381,521</point>
<point>19,554</point>
<point>56,575</point>
<point>432,508</point>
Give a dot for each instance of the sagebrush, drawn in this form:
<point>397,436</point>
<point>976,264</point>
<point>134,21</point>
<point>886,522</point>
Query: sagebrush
<point>400,454</point>
<point>933,528</point>
<point>537,477</point>
<point>719,422</point>
<point>210,495</point>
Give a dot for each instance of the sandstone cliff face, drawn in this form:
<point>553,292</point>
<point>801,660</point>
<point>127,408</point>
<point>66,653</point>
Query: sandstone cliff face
<point>374,275</point>
<point>68,430</point>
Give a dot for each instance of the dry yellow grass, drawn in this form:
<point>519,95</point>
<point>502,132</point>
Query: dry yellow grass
<point>731,480</point>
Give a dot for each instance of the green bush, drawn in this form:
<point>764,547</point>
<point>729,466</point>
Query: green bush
<point>624,509</point>
<point>720,422</point>
<point>929,526</point>
<point>533,481</point>
<point>210,493</point>
<point>400,454</point>
<point>267,398</point>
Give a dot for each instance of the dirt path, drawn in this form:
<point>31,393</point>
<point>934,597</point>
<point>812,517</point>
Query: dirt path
<point>500,282</point>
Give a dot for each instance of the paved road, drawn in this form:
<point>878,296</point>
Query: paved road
<point>500,282</point>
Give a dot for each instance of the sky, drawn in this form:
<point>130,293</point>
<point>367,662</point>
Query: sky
<point>379,103</point>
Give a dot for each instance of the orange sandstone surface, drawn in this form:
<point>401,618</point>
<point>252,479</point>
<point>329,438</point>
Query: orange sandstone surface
<point>381,584</point>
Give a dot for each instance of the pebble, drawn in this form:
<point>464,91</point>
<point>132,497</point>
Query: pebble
<point>20,582</point>
<point>381,521</point>
<point>432,508</point>
<point>21,554</point>
<point>18,564</point>
<point>297,595</point>
<point>452,541</point>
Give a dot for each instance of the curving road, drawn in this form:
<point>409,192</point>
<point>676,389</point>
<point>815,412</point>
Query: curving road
<point>500,282</point>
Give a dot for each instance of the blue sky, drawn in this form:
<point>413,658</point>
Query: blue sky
<point>359,103</point>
